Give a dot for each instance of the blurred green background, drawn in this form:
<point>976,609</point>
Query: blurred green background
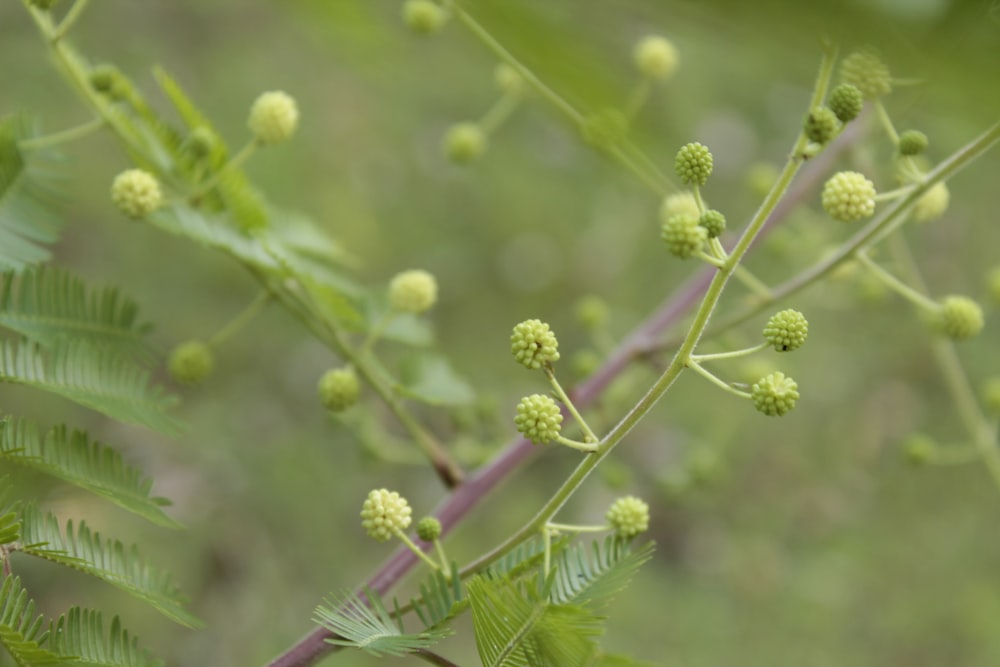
<point>805,541</point>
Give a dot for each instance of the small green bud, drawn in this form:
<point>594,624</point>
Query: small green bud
<point>846,102</point>
<point>339,389</point>
<point>190,362</point>
<point>683,235</point>
<point>786,330</point>
<point>912,142</point>
<point>136,193</point>
<point>413,291</point>
<point>533,344</point>
<point>592,312</point>
<point>849,196</point>
<point>958,318</point>
<point>273,118</point>
<point>201,142</point>
<point>586,362</point>
<point>103,78</point>
<point>464,142</point>
<point>538,418</point>
<point>993,283</point>
<point>866,71</point>
<point>628,516</point>
<point>428,529</point>
<point>693,163</point>
<point>919,449</point>
<point>821,125</point>
<point>384,513</point>
<point>656,57</point>
<point>508,79</point>
<point>933,203</point>
<point>990,394</point>
<point>423,16</point>
<point>714,223</point>
<point>774,395</point>
<point>679,203</point>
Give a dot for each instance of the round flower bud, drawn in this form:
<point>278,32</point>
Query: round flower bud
<point>821,125</point>
<point>912,142</point>
<point>533,344</point>
<point>412,291</point>
<point>592,312</point>
<point>774,394</point>
<point>464,142</point>
<point>786,331</point>
<point>201,142</point>
<point>655,57</point>
<point>103,78</point>
<point>990,394</point>
<point>190,362</point>
<point>713,221</point>
<point>845,101</point>
<point>959,317</point>
<point>339,389</point>
<point>428,529</point>
<point>849,196</point>
<point>136,193</point>
<point>628,516</point>
<point>679,203</point>
<point>993,283</point>
<point>538,418</point>
<point>866,71</point>
<point>385,513</point>
<point>508,79</point>
<point>933,203</point>
<point>683,235</point>
<point>919,449</point>
<point>273,117</point>
<point>423,16</point>
<point>693,163</point>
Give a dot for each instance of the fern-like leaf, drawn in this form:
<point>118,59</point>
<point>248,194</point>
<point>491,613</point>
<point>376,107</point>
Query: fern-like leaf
<point>525,557</point>
<point>440,600</point>
<point>21,632</point>
<point>593,576</point>
<point>516,628</point>
<point>47,304</point>
<point>10,513</point>
<point>95,377</point>
<point>370,628</point>
<point>108,560</point>
<point>90,465</point>
<point>79,637</point>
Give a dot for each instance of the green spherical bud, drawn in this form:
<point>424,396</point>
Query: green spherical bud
<point>586,362</point>
<point>656,57</point>
<point>866,71</point>
<point>592,312</point>
<point>679,203</point>
<point>339,389</point>
<point>201,142</point>
<point>423,16</point>
<point>849,196</point>
<point>412,291</point>
<point>919,449</point>
<point>428,529</point>
<point>912,142</point>
<point>628,516</point>
<point>533,344</point>
<point>103,78</point>
<point>958,318</point>
<point>683,235</point>
<point>821,125</point>
<point>136,193</point>
<point>273,118</point>
<point>990,394</point>
<point>538,418</point>
<point>786,331</point>
<point>693,163</point>
<point>508,79</point>
<point>774,394</point>
<point>384,513</point>
<point>190,362</point>
<point>464,142</point>
<point>714,223</point>
<point>846,102</point>
<point>933,203</point>
<point>993,284</point>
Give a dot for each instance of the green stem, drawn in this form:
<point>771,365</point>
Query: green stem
<point>376,332</point>
<point>499,113</point>
<point>637,98</point>
<point>751,281</point>
<point>587,447</point>
<point>417,551</point>
<point>955,456</point>
<point>64,136</point>
<point>708,375</point>
<point>883,116</point>
<point>241,320</point>
<point>588,435</point>
<point>571,528</point>
<point>71,16</point>
<point>897,285</point>
<point>233,163</point>
<point>698,358</point>
<point>443,557</point>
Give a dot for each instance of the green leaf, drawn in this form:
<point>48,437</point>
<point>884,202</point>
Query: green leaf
<point>370,628</point>
<point>79,637</point>
<point>48,304</point>
<point>593,576</point>
<point>525,557</point>
<point>430,378</point>
<point>108,560</point>
<point>95,377</point>
<point>21,632</point>
<point>90,465</point>
<point>440,600</point>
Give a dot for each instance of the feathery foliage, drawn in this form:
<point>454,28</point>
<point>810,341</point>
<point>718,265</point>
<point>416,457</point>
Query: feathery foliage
<point>80,634</point>
<point>373,628</point>
<point>90,465</point>
<point>585,576</point>
<point>10,522</point>
<point>108,560</point>
<point>95,377</point>
<point>48,304</point>
<point>21,632</point>
<point>440,600</point>
<point>525,557</point>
